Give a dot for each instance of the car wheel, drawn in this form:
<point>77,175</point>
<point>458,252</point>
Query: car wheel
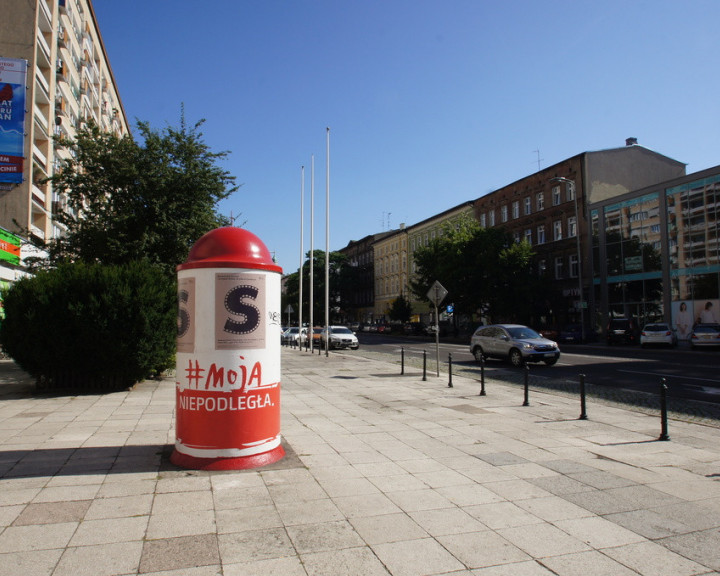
<point>516,358</point>
<point>551,362</point>
<point>478,353</point>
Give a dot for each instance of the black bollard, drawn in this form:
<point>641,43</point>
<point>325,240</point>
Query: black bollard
<point>402,360</point>
<point>450,385</point>
<point>663,411</point>
<point>583,413</point>
<point>424,366</point>
<point>482,375</point>
<point>527,378</point>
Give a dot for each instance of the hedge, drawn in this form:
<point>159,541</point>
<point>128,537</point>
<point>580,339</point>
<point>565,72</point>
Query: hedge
<point>91,327</point>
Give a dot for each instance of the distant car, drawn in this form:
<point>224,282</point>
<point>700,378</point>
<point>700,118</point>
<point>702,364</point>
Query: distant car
<point>291,335</point>
<point>414,328</point>
<point>705,335</point>
<point>549,332</point>
<point>515,342</point>
<point>658,334</point>
<point>340,337</point>
<point>571,334</point>
<point>622,331</point>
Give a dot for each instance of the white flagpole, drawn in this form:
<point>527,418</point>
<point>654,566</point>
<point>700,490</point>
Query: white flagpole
<point>327,244</point>
<point>312,248</point>
<point>302,256</point>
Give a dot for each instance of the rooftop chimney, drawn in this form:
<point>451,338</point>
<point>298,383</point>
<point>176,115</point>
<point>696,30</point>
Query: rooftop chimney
<point>630,141</point>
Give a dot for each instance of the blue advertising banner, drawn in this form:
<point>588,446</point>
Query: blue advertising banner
<point>13,78</point>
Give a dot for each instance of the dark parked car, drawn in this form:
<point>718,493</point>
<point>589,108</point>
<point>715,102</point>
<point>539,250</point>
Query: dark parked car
<point>414,328</point>
<point>570,334</point>
<point>622,331</point>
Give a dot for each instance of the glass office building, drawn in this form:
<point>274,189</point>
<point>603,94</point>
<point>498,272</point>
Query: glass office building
<point>655,253</point>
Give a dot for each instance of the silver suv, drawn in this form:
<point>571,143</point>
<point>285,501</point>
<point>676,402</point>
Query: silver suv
<point>518,343</point>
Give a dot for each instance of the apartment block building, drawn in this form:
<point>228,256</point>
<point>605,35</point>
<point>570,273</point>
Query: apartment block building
<point>390,273</point>
<point>68,81</point>
<point>656,252</point>
<point>360,254</point>
<point>549,210</point>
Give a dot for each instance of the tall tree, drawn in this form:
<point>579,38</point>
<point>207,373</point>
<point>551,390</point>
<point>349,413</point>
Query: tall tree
<point>129,200</point>
<point>339,281</point>
<point>483,269</point>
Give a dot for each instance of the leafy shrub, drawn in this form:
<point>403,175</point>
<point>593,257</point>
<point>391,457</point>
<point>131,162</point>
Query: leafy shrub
<point>83,326</point>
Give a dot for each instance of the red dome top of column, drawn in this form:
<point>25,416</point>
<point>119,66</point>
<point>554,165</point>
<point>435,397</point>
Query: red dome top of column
<point>230,247</point>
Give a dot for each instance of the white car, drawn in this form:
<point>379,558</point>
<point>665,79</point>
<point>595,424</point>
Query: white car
<point>291,336</point>
<point>340,337</point>
<point>658,333</point>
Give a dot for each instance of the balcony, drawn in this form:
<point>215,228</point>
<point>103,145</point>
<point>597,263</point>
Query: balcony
<point>40,158</point>
<point>37,232</point>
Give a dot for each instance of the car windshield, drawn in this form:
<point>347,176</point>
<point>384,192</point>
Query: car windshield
<point>707,328</point>
<point>522,332</point>
<point>656,328</point>
<point>341,331</point>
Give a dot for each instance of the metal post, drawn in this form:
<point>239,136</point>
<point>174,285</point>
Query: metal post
<point>424,365</point>
<point>663,411</point>
<point>583,413</point>
<point>402,360</point>
<point>450,384</point>
<point>527,377</point>
<point>482,375</point>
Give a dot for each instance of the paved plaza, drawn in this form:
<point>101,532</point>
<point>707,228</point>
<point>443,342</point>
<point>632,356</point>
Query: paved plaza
<point>384,474</point>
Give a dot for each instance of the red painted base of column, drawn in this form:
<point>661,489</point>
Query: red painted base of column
<point>240,463</point>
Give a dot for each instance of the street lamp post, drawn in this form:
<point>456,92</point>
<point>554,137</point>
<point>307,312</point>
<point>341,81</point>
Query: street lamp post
<point>571,185</point>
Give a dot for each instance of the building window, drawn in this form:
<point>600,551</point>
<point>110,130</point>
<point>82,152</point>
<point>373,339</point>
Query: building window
<point>491,214</point>
<point>504,213</point>
<point>540,201</point>
<point>557,230</point>
<point>541,234</point>
<point>573,261</point>
<point>570,192</point>
<point>528,236</point>
<point>516,236</point>
<point>556,196</point>
<point>572,227</point>
<point>542,267</point>
<point>528,206</point>
<point>516,209</point>
<point>483,220</point>
<point>558,268</point>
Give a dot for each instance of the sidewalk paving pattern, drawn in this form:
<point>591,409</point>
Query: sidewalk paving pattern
<point>384,474</point>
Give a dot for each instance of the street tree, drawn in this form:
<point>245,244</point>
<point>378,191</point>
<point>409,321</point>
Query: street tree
<point>341,281</point>
<point>400,309</point>
<point>129,200</point>
<point>483,269</point>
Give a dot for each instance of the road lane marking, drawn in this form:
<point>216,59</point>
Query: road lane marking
<point>669,376</point>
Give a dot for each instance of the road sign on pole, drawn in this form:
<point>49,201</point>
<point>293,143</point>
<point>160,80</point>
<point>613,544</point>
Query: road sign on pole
<point>437,294</point>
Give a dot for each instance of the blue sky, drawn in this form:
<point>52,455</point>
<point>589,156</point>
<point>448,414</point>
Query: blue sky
<point>430,103</point>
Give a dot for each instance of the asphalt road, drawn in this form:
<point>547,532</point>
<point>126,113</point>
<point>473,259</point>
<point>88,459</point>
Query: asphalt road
<point>688,374</point>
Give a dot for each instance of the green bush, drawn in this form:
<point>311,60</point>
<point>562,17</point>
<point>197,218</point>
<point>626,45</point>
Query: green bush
<point>83,326</point>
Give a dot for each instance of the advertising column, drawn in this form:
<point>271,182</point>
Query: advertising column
<point>228,354</point>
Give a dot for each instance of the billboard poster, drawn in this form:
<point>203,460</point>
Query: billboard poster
<point>240,311</point>
<point>9,247</point>
<point>13,78</point>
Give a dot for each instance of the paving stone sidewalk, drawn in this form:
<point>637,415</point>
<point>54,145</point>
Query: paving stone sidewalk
<point>384,474</point>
